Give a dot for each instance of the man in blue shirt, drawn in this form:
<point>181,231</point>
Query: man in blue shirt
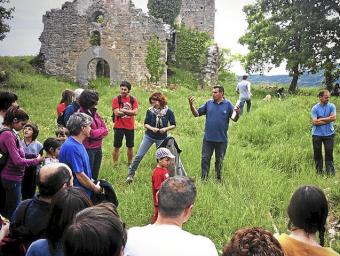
<point>73,153</point>
<point>218,111</point>
<point>323,116</point>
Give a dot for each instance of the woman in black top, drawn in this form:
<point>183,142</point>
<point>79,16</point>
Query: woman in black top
<point>158,121</point>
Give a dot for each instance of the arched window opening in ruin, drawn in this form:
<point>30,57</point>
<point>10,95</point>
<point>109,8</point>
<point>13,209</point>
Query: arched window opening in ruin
<point>103,69</point>
<point>98,68</point>
<point>95,38</point>
<point>98,17</point>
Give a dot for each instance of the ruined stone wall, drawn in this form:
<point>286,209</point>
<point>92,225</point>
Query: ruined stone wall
<point>198,14</point>
<point>124,33</point>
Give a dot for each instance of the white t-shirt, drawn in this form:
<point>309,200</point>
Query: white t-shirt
<point>166,240</point>
<point>243,88</point>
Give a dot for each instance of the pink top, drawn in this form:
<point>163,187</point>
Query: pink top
<point>16,163</point>
<point>98,131</point>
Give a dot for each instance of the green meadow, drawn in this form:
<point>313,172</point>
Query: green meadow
<point>269,153</point>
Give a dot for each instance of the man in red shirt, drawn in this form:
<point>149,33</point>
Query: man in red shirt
<point>124,108</point>
<point>160,174</point>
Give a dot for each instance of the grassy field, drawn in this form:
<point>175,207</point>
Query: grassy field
<point>269,154</point>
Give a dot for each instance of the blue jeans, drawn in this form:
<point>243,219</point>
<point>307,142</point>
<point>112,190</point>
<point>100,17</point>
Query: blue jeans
<point>13,196</point>
<point>208,148</point>
<point>143,149</point>
<point>242,101</point>
<point>95,157</point>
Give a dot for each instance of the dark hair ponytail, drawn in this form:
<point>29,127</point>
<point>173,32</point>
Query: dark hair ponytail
<point>322,235</point>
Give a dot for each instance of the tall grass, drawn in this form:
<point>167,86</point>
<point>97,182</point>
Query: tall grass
<point>269,155</point>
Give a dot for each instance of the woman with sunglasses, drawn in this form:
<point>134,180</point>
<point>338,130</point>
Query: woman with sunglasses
<point>13,171</point>
<point>158,121</point>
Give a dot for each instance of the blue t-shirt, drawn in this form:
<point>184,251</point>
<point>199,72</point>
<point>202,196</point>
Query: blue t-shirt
<point>319,111</point>
<point>150,119</point>
<point>41,248</point>
<point>217,120</point>
<point>75,156</point>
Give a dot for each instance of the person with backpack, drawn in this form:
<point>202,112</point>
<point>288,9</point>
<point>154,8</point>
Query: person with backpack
<point>7,99</point>
<point>66,99</point>
<point>12,171</point>
<point>88,101</point>
<point>70,109</point>
<point>124,108</point>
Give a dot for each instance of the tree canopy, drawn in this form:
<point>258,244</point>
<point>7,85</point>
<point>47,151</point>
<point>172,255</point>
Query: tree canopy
<point>167,10</point>
<point>304,34</point>
<point>5,14</point>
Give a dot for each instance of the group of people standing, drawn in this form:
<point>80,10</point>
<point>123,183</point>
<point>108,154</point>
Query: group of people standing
<point>81,152</point>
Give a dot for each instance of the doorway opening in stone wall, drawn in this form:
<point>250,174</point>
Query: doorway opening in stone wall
<point>98,68</point>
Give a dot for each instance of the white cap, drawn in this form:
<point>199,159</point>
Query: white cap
<point>163,152</point>
<point>77,93</point>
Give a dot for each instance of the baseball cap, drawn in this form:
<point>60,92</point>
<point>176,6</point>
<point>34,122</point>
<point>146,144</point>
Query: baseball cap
<point>163,152</point>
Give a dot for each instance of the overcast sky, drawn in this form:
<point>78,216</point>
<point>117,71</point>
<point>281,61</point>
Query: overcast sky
<point>26,26</point>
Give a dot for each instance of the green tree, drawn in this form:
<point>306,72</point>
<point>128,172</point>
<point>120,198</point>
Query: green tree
<point>154,61</point>
<point>167,10</point>
<point>5,14</point>
<point>292,32</point>
<point>225,60</point>
<point>323,19</point>
<point>192,47</point>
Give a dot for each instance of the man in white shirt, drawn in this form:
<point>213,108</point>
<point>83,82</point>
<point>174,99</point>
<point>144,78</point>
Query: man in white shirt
<point>243,88</point>
<point>166,237</point>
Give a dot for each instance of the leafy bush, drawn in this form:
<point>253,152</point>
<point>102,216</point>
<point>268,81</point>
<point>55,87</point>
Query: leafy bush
<point>192,47</point>
<point>167,10</point>
<point>154,61</point>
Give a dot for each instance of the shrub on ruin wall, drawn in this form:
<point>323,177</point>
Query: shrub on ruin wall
<point>154,61</point>
<point>191,49</point>
<point>167,10</point>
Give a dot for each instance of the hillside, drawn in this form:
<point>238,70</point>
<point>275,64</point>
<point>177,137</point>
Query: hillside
<point>269,153</point>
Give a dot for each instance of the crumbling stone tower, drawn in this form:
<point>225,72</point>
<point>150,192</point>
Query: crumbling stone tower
<point>87,38</point>
<point>198,14</point>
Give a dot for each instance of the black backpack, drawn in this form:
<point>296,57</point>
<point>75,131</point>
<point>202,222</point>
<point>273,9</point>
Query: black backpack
<point>4,155</point>
<point>120,104</point>
<point>61,120</point>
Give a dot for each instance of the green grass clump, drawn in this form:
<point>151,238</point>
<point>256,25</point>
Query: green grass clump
<point>269,154</point>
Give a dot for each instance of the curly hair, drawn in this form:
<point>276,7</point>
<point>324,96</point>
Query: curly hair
<point>159,97</point>
<point>252,242</point>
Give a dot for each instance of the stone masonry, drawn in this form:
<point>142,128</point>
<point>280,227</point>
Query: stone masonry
<point>67,49</point>
<point>198,14</point>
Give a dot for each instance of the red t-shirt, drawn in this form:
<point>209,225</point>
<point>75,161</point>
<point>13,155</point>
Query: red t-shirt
<point>126,122</point>
<point>60,108</point>
<point>159,175</point>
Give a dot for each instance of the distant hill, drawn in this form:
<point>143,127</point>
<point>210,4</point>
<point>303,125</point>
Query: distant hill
<point>306,80</point>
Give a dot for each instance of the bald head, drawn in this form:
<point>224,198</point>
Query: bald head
<point>53,177</point>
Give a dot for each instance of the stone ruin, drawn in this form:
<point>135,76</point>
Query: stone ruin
<point>86,39</point>
<point>198,14</point>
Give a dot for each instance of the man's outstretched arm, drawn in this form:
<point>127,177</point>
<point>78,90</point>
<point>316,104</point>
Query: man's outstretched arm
<point>192,107</point>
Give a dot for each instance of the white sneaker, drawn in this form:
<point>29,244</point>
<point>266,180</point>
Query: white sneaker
<point>129,179</point>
